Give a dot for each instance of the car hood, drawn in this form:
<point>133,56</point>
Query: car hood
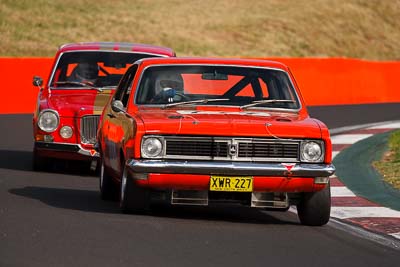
<point>229,123</point>
<point>76,103</point>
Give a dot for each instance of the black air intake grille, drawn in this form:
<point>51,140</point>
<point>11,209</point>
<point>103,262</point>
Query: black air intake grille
<point>268,150</point>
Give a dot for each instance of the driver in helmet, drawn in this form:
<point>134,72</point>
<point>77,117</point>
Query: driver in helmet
<point>85,72</point>
<point>168,88</point>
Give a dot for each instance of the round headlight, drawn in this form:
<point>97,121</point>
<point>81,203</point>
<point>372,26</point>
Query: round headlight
<point>151,147</point>
<point>311,151</point>
<point>66,132</point>
<point>48,121</point>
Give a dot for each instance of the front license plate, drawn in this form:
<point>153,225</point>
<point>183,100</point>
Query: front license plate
<point>231,184</point>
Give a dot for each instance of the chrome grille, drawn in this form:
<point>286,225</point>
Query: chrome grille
<point>236,149</point>
<point>89,126</point>
<point>268,150</point>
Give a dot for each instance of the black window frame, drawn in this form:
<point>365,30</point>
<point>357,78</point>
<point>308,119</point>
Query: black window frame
<point>124,87</point>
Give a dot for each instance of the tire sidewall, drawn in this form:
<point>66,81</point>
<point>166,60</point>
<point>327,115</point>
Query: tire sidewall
<point>314,209</point>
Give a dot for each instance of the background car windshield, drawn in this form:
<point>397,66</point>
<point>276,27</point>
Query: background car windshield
<point>236,86</point>
<point>92,68</point>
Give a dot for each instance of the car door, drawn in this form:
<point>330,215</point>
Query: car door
<point>117,124</point>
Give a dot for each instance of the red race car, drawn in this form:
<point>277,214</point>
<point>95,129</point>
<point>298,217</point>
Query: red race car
<point>83,77</point>
<point>194,130</point>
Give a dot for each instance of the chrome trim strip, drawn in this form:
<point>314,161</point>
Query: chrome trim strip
<point>228,140</point>
<point>229,168</point>
<point>87,152</point>
<point>81,150</point>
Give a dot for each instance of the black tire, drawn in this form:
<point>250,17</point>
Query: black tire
<point>108,188</point>
<point>315,208</point>
<point>133,199</point>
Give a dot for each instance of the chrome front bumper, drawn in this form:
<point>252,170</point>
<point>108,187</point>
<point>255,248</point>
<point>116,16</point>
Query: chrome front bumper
<point>229,168</point>
<point>64,147</point>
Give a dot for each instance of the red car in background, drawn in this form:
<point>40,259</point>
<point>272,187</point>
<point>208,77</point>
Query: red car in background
<point>82,79</point>
<point>191,131</point>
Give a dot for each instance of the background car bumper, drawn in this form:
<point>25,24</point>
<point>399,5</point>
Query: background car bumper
<point>63,150</point>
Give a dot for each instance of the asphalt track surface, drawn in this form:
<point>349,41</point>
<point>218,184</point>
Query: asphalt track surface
<point>57,219</point>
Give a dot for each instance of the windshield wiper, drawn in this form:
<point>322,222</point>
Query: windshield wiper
<point>266,101</point>
<point>81,84</point>
<point>200,101</point>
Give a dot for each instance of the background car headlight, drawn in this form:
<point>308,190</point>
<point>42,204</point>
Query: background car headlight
<point>312,151</point>
<point>151,147</point>
<point>48,120</point>
<point>66,132</point>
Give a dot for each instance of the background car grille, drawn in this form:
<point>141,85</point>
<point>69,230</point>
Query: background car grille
<point>89,126</point>
<point>239,149</point>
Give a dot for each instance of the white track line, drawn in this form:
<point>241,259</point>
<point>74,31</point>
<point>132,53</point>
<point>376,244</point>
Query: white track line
<point>341,191</point>
<point>359,212</point>
<point>396,235</point>
<point>334,154</point>
<point>384,126</point>
<point>345,139</point>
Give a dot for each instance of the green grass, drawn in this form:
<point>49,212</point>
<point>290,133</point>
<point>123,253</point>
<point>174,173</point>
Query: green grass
<point>389,166</point>
<point>368,29</point>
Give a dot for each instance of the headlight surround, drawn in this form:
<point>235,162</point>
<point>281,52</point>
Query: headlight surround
<point>312,151</point>
<point>152,147</point>
<point>66,132</point>
<point>48,120</point>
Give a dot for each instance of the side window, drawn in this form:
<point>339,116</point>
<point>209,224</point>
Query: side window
<point>124,87</point>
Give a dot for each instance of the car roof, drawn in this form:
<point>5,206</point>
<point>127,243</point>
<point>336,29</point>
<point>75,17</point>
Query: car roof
<point>214,61</point>
<point>117,46</point>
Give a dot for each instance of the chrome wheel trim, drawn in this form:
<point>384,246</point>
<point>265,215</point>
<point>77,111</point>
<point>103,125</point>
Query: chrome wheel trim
<point>123,184</point>
<point>101,175</point>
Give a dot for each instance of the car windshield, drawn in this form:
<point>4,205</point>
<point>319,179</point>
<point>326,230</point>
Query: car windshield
<point>92,69</point>
<point>246,87</point>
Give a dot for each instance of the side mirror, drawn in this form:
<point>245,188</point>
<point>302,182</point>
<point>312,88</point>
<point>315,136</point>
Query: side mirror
<point>37,81</point>
<point>117,106</point>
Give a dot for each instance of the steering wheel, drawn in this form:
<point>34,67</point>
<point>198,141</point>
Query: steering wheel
<point>167,94</point>
<point>90,83</point>
<point>181,96</point>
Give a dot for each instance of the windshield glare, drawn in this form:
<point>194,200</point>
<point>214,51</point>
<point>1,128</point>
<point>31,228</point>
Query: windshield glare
<point>233,86</point>
<point>77,70</point>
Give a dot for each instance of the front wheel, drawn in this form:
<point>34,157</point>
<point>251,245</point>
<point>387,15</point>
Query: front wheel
<point>315,207</point>
<point>133,199</point>
<point>108,188</point>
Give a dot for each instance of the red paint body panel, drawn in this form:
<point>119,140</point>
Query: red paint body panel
<point>228,123</point>
<point>74,104</point>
